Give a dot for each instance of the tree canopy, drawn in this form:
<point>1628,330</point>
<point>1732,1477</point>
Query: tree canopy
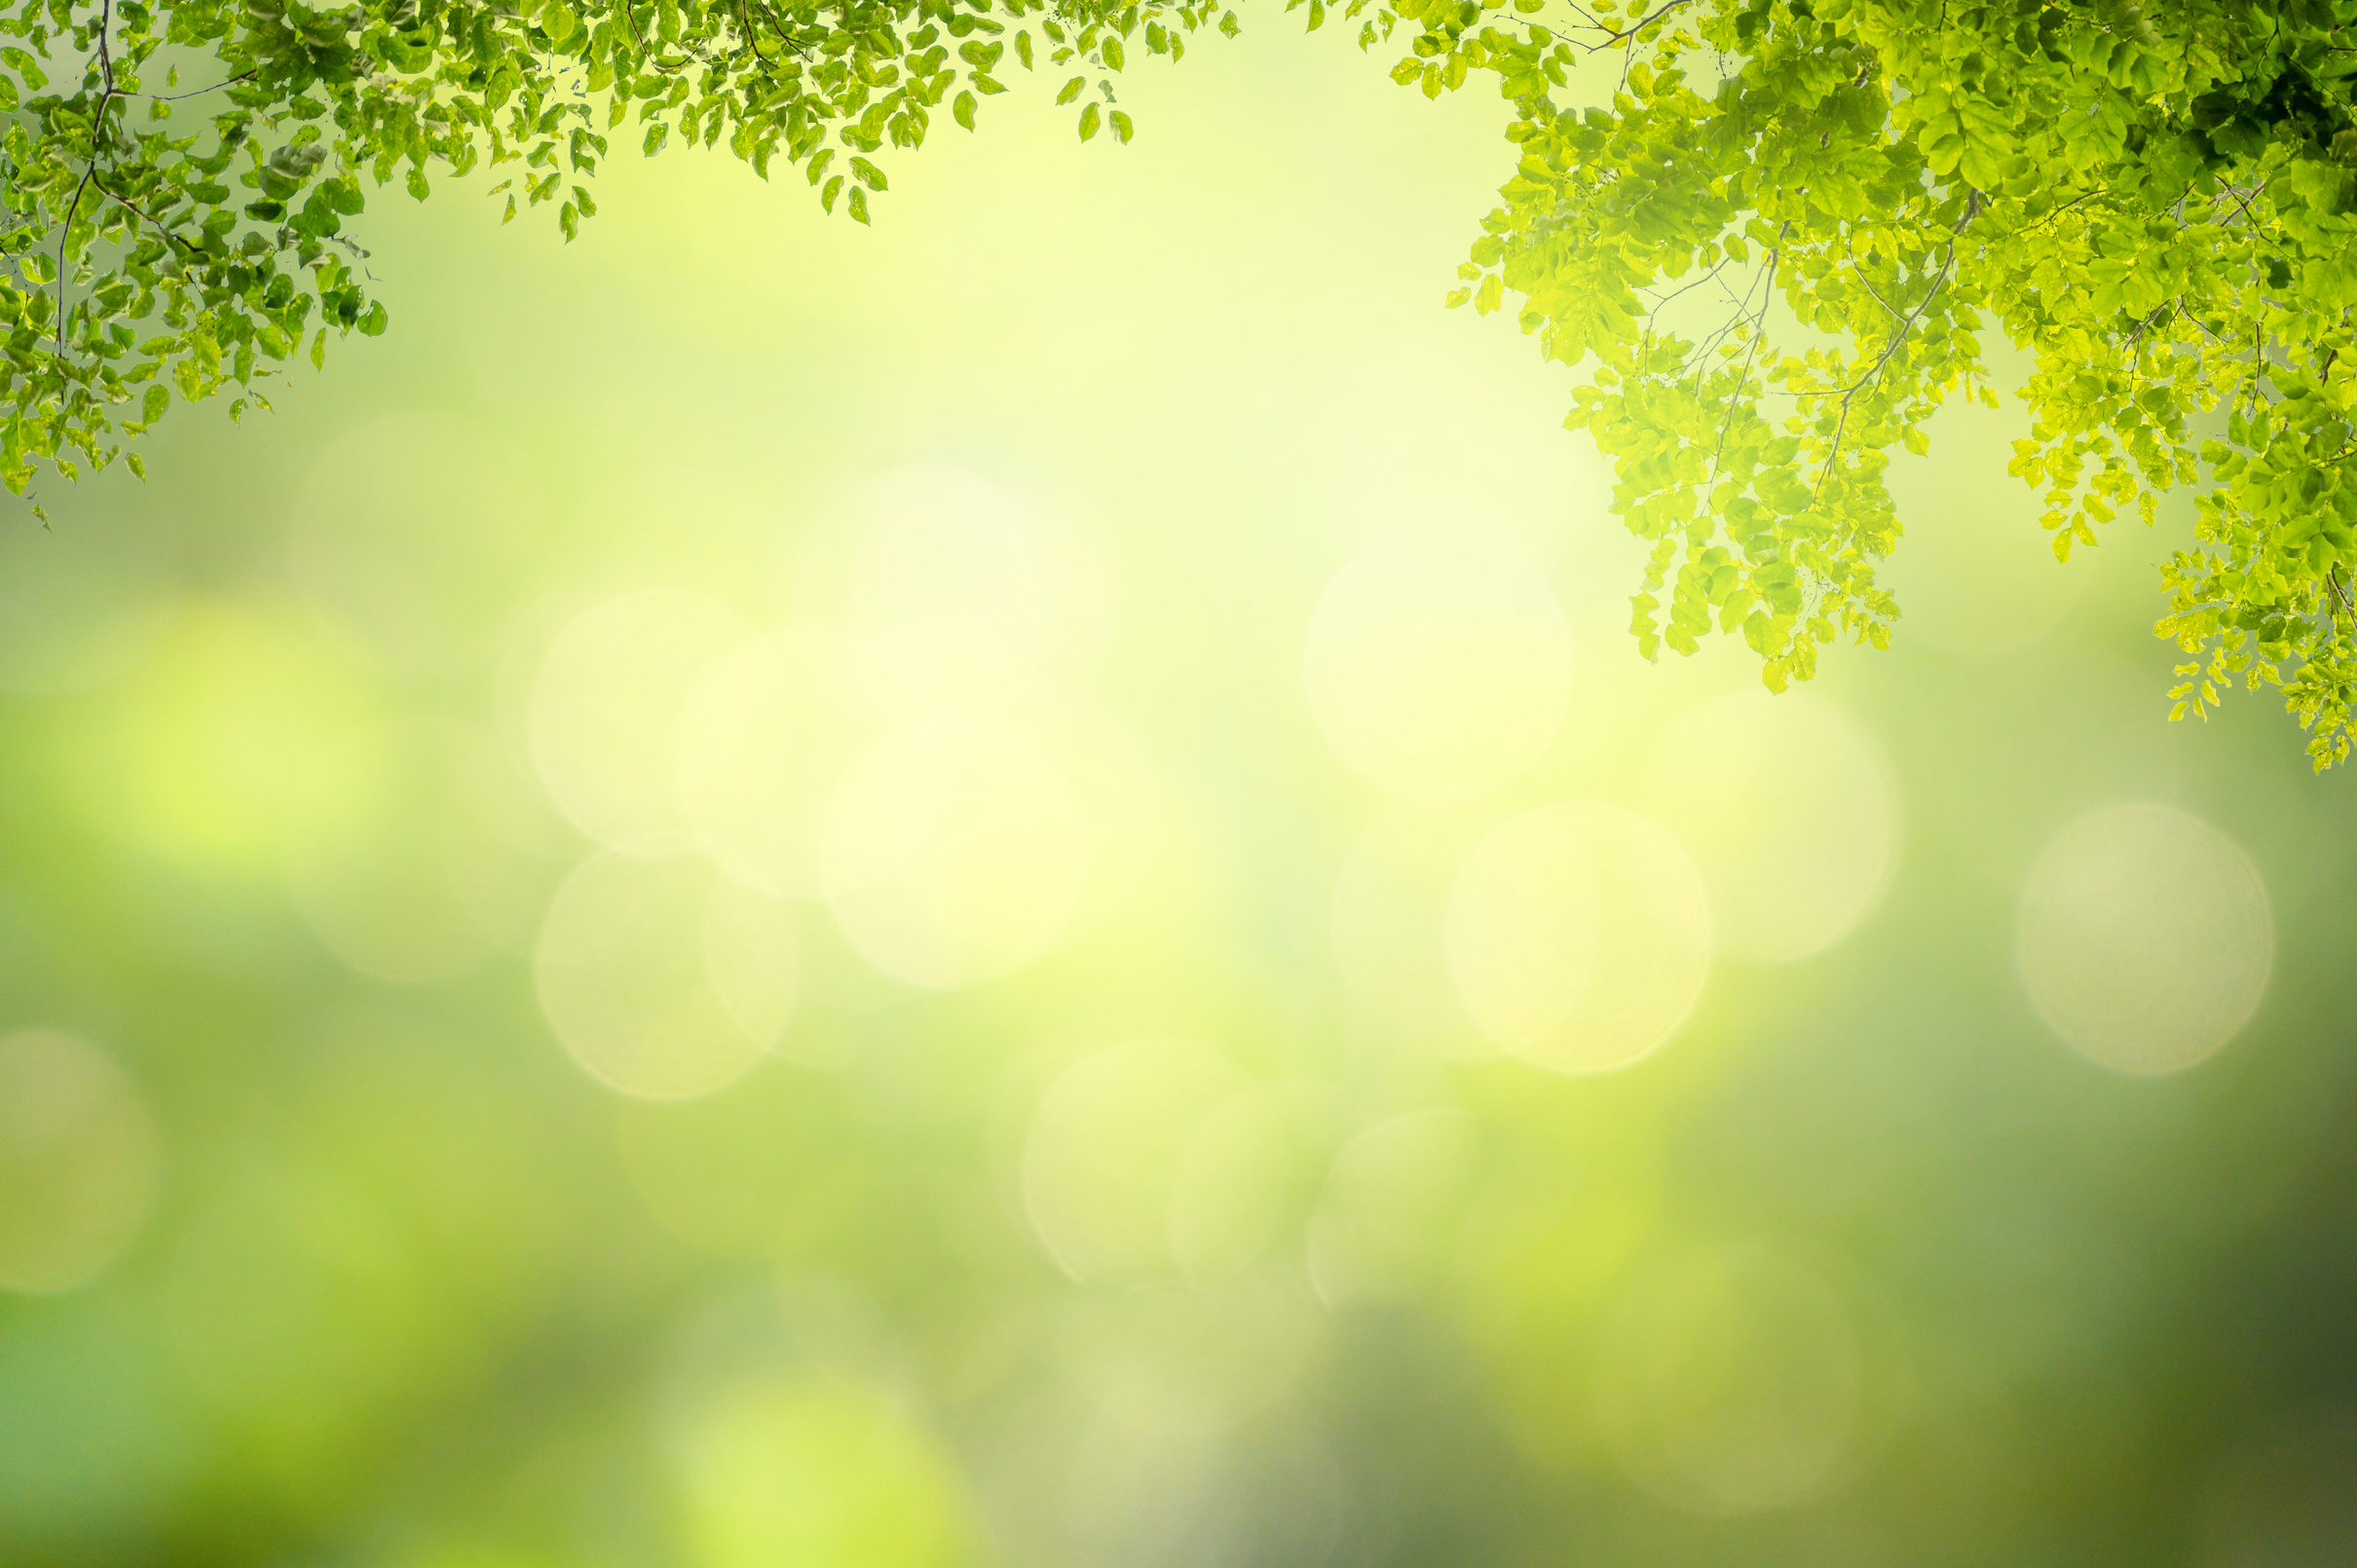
<point>1768,255</point>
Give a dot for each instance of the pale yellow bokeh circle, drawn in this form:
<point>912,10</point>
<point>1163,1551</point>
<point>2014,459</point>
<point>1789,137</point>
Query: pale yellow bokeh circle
<point>78,1157</point>
<point>1392,1207</point>
<point>1150,1161</point>
<point>763,736</point>
<point>1435,679</point>
<point>604,711</point>
<point>954,572</point>
<point>970,590</point>
<point>1579,936</point>
<point>661,977</point>
<point>953,852</point>
<point>1229,1185</point>
<point>2144,938</point>
<point>1791,810</point>
<point>1730,1380</point>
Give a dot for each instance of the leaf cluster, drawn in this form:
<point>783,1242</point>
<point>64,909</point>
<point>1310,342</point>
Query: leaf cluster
<point>2158,203</point>
<point>194,238</point>
<point>1771,251</point>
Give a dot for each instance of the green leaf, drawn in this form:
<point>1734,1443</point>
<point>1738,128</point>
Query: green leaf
<point>1089,120</point>
<point>964,110</point>
<point>1072,90</point>
<point>1122,128</point>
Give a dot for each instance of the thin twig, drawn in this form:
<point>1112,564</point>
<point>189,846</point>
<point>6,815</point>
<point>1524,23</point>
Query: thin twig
<point>97,127</point>
<point>1899,335</point>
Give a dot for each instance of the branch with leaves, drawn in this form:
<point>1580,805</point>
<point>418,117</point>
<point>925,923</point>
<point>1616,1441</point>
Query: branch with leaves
<point>2161,207</point>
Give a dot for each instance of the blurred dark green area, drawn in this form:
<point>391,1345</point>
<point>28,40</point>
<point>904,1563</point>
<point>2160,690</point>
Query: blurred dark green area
<point>1139,1192</point>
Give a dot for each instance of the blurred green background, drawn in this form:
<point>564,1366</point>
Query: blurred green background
<point>1004,891</point>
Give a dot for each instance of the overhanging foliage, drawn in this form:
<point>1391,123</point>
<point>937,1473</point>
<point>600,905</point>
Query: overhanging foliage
<point>2156,205</point>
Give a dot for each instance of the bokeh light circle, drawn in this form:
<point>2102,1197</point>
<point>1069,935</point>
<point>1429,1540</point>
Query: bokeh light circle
<point>604,711</point>
<point>1791,811</point>
<point>1438,680</point>
<point>952,852</point>
<point>77,1158</point>
<point>1730,1380</point>
<point>762,741</point>
<point>1151,1161</point>
<point>968,589</point>
<point>661,977</point>
<point>1579,936</point>
<point>2144,938</point>
<point>1390,1209</point>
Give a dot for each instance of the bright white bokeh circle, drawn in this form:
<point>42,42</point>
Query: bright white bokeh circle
<point>2144,938</point>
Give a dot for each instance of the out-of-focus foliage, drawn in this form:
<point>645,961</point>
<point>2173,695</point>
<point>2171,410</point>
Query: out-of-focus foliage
<point>838,962</point>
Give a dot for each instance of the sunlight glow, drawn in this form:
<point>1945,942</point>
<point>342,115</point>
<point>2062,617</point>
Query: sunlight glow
<point>604,711</point>
<point>953,852</point>
<point>968,589</point>
<point>1438,680</point>
<point>762,741</point>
